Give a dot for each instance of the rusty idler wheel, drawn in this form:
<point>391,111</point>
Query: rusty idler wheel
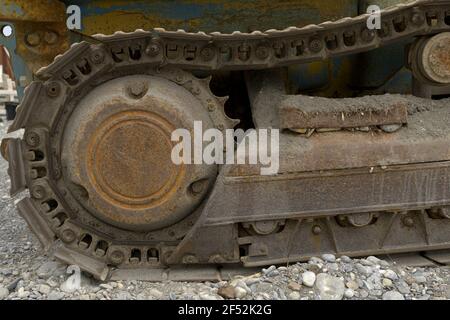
<point>117,153</point>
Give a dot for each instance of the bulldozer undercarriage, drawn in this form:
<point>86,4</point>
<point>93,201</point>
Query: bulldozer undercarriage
<point>357,176</point>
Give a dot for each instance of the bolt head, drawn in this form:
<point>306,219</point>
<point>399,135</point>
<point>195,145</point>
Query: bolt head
<point>68,236</point>
<point>33,39</point>
<point>32,139</point>
<point>316,230</point>
<point>408,221</point>
<point>97,56</point>
<point>38,192</point>
<point>51,37</point>
<point>262,52</point>
<point>153,49</point>
<point>53,89</point>
<point>315,45</point>
<point>207,53</point>
<point>138,90</point>
<point>117,257</point>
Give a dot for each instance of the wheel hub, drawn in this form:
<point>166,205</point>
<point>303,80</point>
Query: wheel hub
<point>117,153</point>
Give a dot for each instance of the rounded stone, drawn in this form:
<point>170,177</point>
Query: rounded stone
<point>393,295</point>
<point>308,278</point>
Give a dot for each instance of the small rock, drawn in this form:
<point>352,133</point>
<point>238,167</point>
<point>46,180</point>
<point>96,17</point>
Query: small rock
<point>352,285</point>
<point>390,275</point>
<point>329,287</point>
<point>308,278</point>
<point>55,295</point>
<point>393,295</point>
<point>349,293</point>
<point>294,295</point>
<point>333,267</point>
<point>70,285</point>
<point>373,259</point>
<point>420,279</point>
<point>387,282</point>
<point>44,289</point>
<point>363,294</point>
<point>294,286</point>
<point>239,292</point>
<point>155,293</point>
<point>366,262</point>
<point>21,293</point>
<point>226,292</point>
<point>4,292</point>
<point>106,286</point>
<point>345,259</point>
<point>206,296</point>
<point>365,270</point>
<point>48,269</point>
<point>403,287</point>
<point>269,270</point>
<point>295,270</point>
<point>13,285</point>
<point>315,260</point>
<point>328,257</point>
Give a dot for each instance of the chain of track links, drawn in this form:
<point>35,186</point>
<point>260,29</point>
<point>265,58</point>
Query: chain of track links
<point>52,212</point>
<point>88,242</point>
<point>273,48</point>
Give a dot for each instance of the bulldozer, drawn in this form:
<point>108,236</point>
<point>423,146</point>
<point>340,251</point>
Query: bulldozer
<point>360,99</point>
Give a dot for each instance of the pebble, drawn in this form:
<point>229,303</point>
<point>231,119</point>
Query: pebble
<point>420,279</point>
<point>55,295</point>
<point>294,295</point>
<point>329,287</point>
<point>44,289</point>
<point>329,257</point>
<point>349,293</point>
<point>70,285</point>
<point>391,275</point>
<point>21,293</point>
<point>308,278</point>
<point>269,270</point>
<point>387,282</point>
<point>294,286</point>
<point>240,292</point>
<point>4,292</point>
<point>352,285</point>
<point>393,295</point>
<point>363,269</point>
<point>48,269</point>
<point>226,292</point>
<point>155,293</point>
<point>403,287</point>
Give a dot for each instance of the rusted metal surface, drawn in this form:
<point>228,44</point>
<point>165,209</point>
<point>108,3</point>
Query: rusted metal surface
<point>119,137</point>
<point>316,112</point>
<point>430,58</point>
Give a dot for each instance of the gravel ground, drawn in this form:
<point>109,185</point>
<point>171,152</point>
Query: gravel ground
<point>26,274</point>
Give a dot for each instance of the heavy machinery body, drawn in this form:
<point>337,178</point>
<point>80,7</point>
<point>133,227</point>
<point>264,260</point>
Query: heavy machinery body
<point>363,117</point>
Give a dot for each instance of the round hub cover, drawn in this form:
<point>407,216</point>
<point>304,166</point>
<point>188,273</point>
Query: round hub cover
<point>117,153</point>
<point>436,58</point>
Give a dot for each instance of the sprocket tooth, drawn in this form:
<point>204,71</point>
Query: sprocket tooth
<point>223,100</point>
